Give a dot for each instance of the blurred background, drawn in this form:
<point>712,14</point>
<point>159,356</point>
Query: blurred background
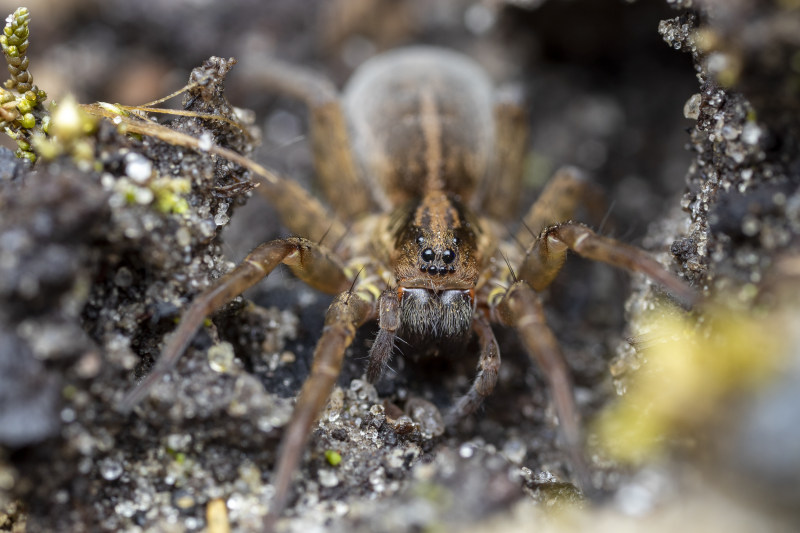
<point>605,92</point>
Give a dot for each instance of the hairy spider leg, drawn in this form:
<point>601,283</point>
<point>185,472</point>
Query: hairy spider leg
<point>389,322</point>
<point>347,312</point>
<point>334,162</point>
<point>558,201</point>
<point>562,195</point>
<point>311,262</point>
<point>568,189</point>
<point>499,194</point>
<point>521,309</point>
<point>488,368</point>
<point>548,253</point>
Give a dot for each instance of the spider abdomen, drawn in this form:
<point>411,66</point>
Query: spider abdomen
<point>420,119</point>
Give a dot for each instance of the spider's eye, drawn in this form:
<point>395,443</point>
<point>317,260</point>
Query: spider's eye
<point>428,255</point>
<point>420,240</point>
<point>448,256</point>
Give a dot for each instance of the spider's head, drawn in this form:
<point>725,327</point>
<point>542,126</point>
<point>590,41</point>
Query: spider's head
<point>436,267</point>
<point>435,245</point>
<point>437,295</point>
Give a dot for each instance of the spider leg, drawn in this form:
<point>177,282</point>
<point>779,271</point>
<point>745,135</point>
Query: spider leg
<point>389,321</point>
<point>521,309</point>
<point>500,194</point>
<point>488,367</point>
<point>313,220</point>
<point>347,312</point>
<point>310,262</point>
<point>335,165</point>
<point>547,255</point>
<point>558,201</point>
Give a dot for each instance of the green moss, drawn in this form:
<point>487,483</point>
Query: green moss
<point>27,121</point>
<point>130,195</point>
<point>22,111</point>
<point>179,457</point>
<point>169,193</point>
<point>333,457</point>
<point>14,43</point>
<point>24,105</point>
<point>45,147</point>
<point>26,154</point>
<point>69,122</point>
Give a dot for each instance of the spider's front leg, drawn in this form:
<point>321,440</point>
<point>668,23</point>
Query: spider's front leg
<point>521,309</point>
<point>389,323</point>
<point>347,312</point>
<point>488,367</point>
<point>547,255</point>
<point>564,193</point>
<point>488,363</point>
<point>311,262</point>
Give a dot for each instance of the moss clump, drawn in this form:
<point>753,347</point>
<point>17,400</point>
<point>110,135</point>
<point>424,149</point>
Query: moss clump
<point>21,111</point>
<point>169,194</point>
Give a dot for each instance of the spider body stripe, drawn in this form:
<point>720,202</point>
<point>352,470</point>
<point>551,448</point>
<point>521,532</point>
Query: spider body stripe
<point>431,126</point>
<point>495,295</point>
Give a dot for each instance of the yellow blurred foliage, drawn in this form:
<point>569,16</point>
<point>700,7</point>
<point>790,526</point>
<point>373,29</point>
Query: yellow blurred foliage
<point>692,369</point>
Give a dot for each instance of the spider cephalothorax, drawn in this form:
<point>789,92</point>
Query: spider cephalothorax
<point>436,268</point>
<point>435,244</point>
<point>423,161</point>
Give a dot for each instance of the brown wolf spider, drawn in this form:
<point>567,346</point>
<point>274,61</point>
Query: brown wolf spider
<point>421,160</point>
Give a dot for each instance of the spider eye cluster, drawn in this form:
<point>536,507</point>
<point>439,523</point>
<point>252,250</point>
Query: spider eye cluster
<point>436,261</point>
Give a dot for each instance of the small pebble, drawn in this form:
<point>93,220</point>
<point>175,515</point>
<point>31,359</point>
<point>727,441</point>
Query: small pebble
<point>137,167</point>
<point>110,469</point>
